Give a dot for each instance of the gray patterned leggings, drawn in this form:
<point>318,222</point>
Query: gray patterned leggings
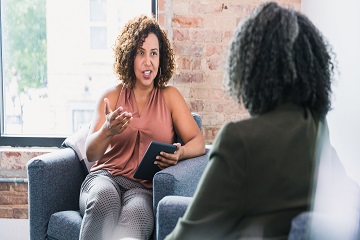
<point>114,208</point>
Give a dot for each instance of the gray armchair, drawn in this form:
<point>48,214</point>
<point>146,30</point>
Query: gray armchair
<point>54,186</point>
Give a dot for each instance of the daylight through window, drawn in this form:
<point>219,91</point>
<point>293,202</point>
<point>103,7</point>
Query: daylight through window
<point>56,60</point>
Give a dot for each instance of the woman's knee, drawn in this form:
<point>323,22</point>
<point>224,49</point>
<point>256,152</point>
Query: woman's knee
<point>102,196</point>
<point>138,204</point>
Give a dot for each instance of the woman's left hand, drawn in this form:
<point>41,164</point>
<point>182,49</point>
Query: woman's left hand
<point>168,159</point>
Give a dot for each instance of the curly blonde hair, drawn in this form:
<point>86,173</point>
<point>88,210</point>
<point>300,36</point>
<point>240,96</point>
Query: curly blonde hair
<point>127,43</point>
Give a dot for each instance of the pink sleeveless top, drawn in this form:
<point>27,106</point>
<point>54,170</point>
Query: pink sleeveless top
<point>126,149</point>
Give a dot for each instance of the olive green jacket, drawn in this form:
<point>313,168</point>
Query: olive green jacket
<point>258,178</point>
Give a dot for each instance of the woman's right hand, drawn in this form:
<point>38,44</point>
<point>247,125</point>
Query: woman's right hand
<point>116,121</point>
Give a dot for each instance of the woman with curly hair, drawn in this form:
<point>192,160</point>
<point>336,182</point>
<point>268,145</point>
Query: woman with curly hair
<point>140,109</point>
<point>259,175</point>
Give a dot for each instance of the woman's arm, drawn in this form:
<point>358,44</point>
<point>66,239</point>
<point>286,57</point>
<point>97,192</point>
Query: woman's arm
<point>105,124</point>
<point>185,127</point>
<point>218,201</point>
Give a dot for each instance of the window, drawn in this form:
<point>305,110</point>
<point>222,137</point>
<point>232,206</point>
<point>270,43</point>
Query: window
<point>56,59</point>
<point>98,24</point>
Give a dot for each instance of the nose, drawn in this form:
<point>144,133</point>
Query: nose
<point>147,60</point>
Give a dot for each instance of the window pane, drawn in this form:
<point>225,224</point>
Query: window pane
<point>52,75</point>
<point>98,37</point>
<point>97,10</point>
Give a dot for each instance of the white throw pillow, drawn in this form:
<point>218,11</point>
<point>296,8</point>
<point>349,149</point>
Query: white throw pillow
<point>77,142</point>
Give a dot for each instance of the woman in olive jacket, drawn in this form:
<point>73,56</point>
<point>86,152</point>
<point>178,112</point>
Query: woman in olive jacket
<point>259,175</point>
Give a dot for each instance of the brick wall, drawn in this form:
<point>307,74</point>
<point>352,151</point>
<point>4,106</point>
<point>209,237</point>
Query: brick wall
<point>13,200</point>
<point>14,196</point>
<point>200,32</point>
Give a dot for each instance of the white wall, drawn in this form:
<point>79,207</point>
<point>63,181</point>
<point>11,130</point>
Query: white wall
<point>339,21</point>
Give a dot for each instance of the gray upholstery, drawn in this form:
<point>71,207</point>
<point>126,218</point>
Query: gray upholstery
<point>180,180</point>
<point>169,210</point>
<point>54,184</point>
<point>68,222</point>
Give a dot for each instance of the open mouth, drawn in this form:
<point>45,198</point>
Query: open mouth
<point>147,73</point>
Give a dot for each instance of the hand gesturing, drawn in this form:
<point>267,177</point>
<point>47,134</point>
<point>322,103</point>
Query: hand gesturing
<point>116,121</point>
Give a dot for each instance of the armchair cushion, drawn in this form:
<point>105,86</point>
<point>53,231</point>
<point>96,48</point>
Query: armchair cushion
<point>169,210</point>
<point>64,221</point>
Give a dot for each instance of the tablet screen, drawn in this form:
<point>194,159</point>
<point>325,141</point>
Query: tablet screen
<point>147,169</point>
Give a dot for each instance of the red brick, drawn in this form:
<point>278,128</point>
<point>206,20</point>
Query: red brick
<point>161,5</point>
<point>217,49</point>
<point>197,8</point>
<point>4,186</point>
<point>215,62</point>
<point>6,212</point>
<point>187,22</point>
<point>198,35</point>
<point>242,9</point>
<point>181,34</point>
<point>206,36</point>
<point>189,78</point>
<point>210,133</point>
<point>194,50</point>
<point>161,19</point>
<point>213,36</point>
<point>12,154</point>
<point>207,93</point>
<point>227,36</point>
<point>20,187</point>
<point>20,212</point>
<point>181,7</point>
<point>196,63</point>
<point>184,63</point>
<point>13,198</point>
<point>197,105</point>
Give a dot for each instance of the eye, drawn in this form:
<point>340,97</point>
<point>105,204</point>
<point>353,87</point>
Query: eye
<point>154,53</point>
<point>140,52</point>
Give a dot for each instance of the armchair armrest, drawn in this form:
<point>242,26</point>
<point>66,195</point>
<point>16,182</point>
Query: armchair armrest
<point>170,209</point>
<point>179,180</point>
<point>54,184</point>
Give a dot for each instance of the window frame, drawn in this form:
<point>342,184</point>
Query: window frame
<point>26,140</point>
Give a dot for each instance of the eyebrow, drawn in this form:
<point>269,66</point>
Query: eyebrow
<point>153,49</point>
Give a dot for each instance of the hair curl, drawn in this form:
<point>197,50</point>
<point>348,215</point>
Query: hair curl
<point>277,55</point>
<point>131,38</point>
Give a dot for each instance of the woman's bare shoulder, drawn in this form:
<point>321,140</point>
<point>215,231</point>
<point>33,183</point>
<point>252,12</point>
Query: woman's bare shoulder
<point>173,97</point>
<point>111,92</point>
<point>170,90</point>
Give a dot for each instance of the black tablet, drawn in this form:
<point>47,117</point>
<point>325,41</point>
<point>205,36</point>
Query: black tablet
<point>147,169</point>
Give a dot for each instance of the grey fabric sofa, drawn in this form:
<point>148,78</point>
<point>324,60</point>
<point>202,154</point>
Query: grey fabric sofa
<point>54,185</point>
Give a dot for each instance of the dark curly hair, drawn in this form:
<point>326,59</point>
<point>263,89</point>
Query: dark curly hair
<point>277,55</point>
<point>131,38</point>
